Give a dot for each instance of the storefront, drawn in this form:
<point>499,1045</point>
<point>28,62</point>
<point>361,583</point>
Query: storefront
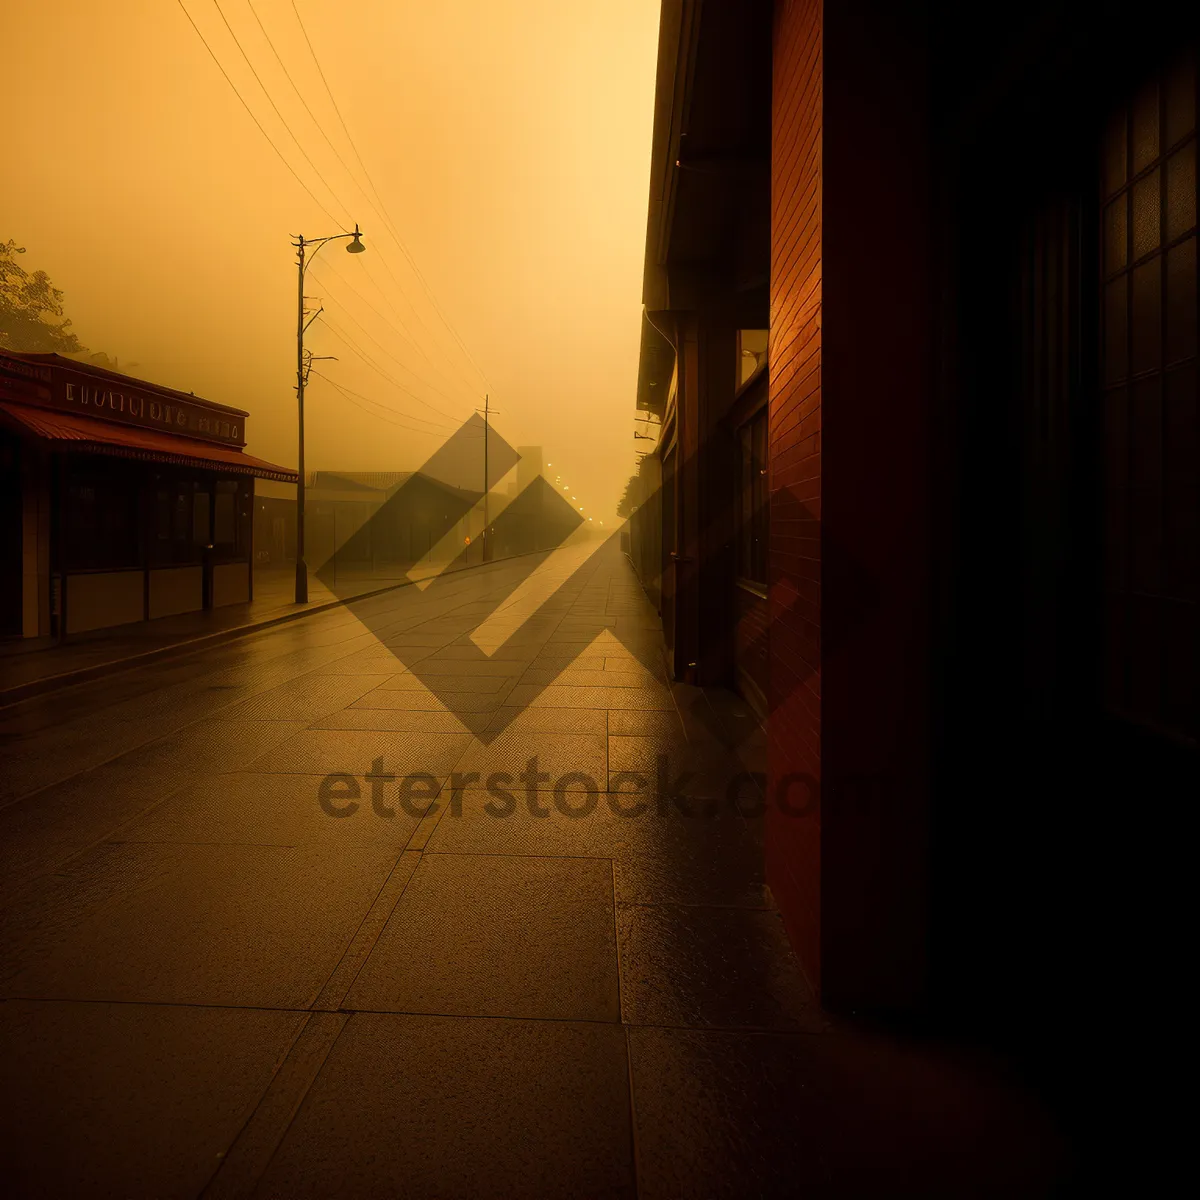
<point>120,501</point>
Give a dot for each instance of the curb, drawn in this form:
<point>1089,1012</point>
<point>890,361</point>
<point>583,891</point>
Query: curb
<point>56,683</point>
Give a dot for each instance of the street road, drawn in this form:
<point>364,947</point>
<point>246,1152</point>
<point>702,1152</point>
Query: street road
<point>259,939</point>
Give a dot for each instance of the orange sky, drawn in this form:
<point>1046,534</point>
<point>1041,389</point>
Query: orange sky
<point>509,143</point>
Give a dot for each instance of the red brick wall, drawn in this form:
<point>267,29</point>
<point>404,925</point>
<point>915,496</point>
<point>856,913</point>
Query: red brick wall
<point>794,691</point>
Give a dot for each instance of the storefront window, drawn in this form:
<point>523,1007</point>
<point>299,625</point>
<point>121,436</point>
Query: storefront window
<point>226,526</point>
<point>100,518</point>
<point>178,525</point>
<point>200,517</point>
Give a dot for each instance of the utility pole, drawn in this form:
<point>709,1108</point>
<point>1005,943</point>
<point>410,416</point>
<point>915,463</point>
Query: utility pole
<point>301,244</point>
<point>301,565</point>
<point>487,540</point>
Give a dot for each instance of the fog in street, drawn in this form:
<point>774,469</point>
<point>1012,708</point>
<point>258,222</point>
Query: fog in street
<point>495,156</point>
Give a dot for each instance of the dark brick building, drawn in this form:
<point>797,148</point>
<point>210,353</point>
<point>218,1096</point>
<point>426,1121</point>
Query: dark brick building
<point>946,537</point>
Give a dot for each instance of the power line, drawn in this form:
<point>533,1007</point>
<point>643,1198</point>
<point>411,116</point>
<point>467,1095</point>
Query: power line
<point>390,224</point>
<point>381,404</point>
<point>270,100</point>
<point>291,133</point>
<point>347,395</point>
<point>341,161</point>
<point>256,121</point>
<point>345,167</point>
<point>398,332</point>
<point>307,109</point>
<point>343,336</point>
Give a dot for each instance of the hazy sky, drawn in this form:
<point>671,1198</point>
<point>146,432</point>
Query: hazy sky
<point>509,144</point>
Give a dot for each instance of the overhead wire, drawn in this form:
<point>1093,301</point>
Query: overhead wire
<point>275,108</point>
<point>385,217</point>
<point>344,337</point>
<point>397,330</point>
<point>348,395</point>
<point>389,223</point>
<point>403,366</point>
<point>250,111</point>
<point>345,167</point>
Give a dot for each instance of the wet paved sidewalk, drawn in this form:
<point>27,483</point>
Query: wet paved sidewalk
<point>227,973</point>
<point>28,665</point>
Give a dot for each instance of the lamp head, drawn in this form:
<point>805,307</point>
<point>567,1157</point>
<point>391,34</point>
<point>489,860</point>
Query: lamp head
<point>356,246</point>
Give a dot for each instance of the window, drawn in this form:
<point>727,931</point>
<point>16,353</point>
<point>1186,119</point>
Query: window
<point>753,511</point>
<point>1148,373</point>
<point>100,520</point>
<point>200,517</point>
<point>226,525</point>
<point>181,520</point>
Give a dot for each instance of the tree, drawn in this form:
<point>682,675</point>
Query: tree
<point>625,504</point>
<point>634,491</point>
<point>31,310</point>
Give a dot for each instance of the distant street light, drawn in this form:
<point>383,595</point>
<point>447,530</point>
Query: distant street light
<point>301,243</point>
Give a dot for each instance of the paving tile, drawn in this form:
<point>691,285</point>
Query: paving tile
<point>603,677</point>
<point>696,966</point>
<point>669,763</point>
<point>560,662</point>
<point>455,702</point>
<point>416,639</point>
<point>208,747</point>
<point>381,665</point>
<point>827,1116</point>
<point>548,720</point>
<point>277,810</point>
<point>493,936</point>
<point>326,751</point>
<point>480,822</point>
<point>663,857</point>
<point>41,830</point>
<point>644,723</point>
<point>126,1099</point>
<point>407,720</point>
<point>305,699</point>
<point>259,926</point>
<point>470,652</point>
<point>506,668</point>
<point>437,1106</point>
<point>557,696</point>
<point>425,679</point>
<point>574,761</point>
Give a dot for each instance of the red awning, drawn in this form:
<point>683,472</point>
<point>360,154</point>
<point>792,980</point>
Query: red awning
<point>87,435</point>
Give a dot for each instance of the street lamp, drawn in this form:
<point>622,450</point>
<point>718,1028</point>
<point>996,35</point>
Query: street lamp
<point>301,244</point>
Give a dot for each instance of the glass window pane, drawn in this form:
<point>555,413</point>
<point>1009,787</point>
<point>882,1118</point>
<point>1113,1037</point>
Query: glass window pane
<point>1146,348</point>
<point>200,507</point>
<point>1116,234</point>
<point>1181,301</point>
<point>1146,207</point>
<point>1181,191</point>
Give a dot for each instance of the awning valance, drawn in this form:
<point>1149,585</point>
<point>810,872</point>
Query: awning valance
<point>79,434</point>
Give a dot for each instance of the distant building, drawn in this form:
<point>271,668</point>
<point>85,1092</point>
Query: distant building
<point>529,467</point>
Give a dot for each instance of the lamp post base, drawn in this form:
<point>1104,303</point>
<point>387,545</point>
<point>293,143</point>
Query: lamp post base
<point>301,581</point>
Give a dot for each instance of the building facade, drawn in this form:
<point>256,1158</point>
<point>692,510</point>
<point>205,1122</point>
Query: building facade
<point>122,501</point>
<point>946,537</point>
